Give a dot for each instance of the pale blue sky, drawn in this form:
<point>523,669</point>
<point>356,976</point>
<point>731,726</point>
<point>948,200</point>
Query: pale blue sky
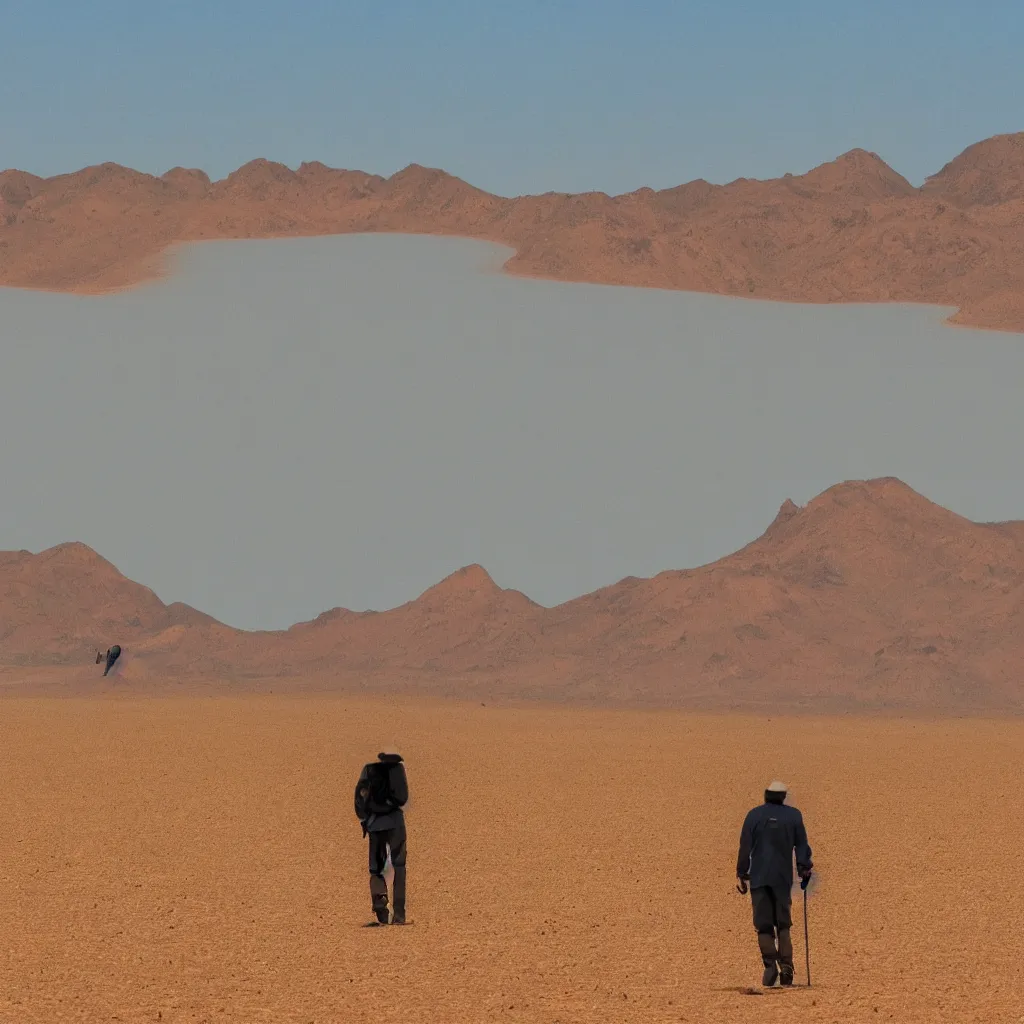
<point>515,98</point>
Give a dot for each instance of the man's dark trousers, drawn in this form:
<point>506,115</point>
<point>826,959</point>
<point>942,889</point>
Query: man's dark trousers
<point>773,919</point>
<point>381,842</point>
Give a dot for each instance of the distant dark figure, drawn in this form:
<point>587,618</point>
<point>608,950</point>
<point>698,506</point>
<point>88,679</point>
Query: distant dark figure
<point>381,793</point>
<point>771,834</point>
<point>113,653</point>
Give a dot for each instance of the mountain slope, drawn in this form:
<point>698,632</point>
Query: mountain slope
<point>850,230</point>
<point>63,604</point>
<point>869,596</point>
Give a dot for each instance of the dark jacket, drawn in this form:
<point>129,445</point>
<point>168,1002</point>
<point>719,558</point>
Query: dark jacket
<point>770,835</point>
<point>400,794</point>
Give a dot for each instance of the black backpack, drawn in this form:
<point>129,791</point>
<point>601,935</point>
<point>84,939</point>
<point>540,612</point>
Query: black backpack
<point>373,795</point>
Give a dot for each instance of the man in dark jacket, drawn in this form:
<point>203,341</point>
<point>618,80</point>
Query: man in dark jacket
<point>771,834</point>
<point>381,793</point>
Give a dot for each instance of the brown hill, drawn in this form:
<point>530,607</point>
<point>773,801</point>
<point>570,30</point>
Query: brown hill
<point>985,174</point>
<point>849,230</point>
<point>67,602</point>
<point>870,596</point>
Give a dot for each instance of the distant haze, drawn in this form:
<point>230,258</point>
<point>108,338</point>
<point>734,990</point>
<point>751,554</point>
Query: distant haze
<point>281,427</point>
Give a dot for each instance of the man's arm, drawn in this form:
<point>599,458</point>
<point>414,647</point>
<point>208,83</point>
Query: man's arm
<point>361,784</point>
<point>804,864</point>
<point>746,841</point>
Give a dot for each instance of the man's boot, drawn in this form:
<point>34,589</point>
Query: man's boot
<point>399,896</point>
<point>379,898</point>
<point>769,956</point>
<point>785,957</point>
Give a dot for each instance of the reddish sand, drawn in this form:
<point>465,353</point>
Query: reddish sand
<point>852,230</point>
<point>191,861</point>
<point>871,596</point>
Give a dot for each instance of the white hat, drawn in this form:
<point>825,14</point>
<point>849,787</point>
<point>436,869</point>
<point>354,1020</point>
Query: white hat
<point>778,787</point>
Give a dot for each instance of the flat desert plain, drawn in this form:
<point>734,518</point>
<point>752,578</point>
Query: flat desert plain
<point>193,859</point>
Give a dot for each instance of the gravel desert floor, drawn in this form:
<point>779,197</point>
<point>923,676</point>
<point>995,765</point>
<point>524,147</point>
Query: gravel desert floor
<point>196,859</point>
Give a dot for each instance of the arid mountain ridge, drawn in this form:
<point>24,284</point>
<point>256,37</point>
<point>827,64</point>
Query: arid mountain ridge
<point>852,230</point>
<point>870,596</point>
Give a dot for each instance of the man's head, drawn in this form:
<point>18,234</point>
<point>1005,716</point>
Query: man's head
<point>775,793</point>
<point>389,757</point>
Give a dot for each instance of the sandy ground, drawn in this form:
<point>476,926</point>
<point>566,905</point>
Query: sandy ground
<point>196,859</point>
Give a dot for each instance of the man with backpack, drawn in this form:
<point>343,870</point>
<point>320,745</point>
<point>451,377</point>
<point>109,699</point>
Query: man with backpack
<point>113,653</point>
<point>381,793</point>
<point>771,834</point>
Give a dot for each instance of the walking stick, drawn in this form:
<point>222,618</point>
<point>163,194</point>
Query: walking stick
<point>807,945</point>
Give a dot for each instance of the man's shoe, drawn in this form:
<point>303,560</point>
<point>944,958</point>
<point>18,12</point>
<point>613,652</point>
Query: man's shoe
<point>770,976</point>
<point>786,974</point>
<point>380,909</point>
